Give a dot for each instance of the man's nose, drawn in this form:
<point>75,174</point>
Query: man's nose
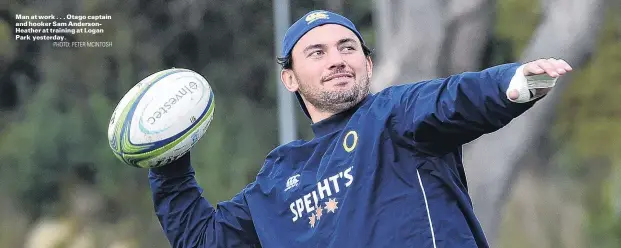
<point>336,60</point>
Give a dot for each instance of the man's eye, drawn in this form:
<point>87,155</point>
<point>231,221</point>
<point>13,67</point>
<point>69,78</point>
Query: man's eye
<point>316,53</point>
<point>349,48</point>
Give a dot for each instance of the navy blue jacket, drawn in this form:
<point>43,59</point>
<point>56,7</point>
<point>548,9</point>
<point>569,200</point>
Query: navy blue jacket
<point>386,173</point>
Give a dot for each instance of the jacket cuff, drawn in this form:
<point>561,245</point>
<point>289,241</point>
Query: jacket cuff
<point>179,167</point>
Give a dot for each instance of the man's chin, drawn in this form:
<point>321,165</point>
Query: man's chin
<point>348,102</point>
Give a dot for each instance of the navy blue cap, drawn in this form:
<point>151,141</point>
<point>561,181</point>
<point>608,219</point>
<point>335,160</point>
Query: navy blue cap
<point>307,22</point>
<point>312,20</point>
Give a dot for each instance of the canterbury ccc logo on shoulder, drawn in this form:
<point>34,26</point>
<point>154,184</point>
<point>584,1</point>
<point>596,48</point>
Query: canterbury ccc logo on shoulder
<point>350,141</point>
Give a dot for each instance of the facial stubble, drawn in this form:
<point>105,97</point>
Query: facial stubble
<point>335,101</point>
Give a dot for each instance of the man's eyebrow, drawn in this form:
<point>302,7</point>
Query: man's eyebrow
<point>314,46</point>
<point>345,40</point>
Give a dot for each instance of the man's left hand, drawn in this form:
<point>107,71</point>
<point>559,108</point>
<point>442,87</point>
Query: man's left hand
<point>552,67</point>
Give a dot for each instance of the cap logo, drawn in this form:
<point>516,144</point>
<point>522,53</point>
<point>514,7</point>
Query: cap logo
<point>316,16</point>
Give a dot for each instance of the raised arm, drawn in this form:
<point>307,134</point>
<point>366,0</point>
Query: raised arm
<point>438,115</point>
<point>189,220</point>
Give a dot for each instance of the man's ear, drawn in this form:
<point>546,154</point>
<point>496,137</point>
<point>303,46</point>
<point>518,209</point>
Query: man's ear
<point>289,80</point>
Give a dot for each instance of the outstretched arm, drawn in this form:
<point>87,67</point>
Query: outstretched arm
<point>440,114</point>
<point>189,220</point>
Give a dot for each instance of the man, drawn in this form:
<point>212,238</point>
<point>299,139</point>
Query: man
<point>383,170</point>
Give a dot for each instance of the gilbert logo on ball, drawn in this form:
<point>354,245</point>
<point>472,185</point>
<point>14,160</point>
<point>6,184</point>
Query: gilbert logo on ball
<point>161,118</point>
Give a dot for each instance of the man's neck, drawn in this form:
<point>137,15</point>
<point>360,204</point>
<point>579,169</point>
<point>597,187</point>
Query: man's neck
<point>320,116</point>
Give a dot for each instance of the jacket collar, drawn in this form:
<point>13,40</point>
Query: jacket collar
<point>336,122</point>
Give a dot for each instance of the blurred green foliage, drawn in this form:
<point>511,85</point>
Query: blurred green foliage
<point>588,123</point>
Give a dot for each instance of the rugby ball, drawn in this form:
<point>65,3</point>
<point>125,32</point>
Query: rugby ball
<point>161,118</point>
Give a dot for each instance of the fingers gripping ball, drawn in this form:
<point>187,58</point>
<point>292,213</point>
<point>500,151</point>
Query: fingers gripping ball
<point>161,118</point>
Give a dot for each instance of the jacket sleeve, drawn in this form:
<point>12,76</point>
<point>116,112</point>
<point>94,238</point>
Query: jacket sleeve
<point>189,220</point>
<point>438,115</point>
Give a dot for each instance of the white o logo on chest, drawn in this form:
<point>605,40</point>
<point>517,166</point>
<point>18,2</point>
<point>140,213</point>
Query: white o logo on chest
<point>351,145</point>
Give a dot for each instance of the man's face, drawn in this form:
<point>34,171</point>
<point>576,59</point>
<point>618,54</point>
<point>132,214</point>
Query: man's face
<point>330,68</point>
